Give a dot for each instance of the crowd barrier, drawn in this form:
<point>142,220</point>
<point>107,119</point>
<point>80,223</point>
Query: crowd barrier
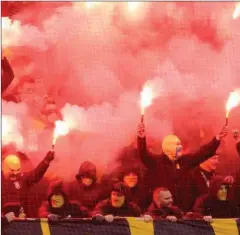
<point>123,226</point>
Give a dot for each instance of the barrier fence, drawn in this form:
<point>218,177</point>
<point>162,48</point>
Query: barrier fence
<point>123,226</point>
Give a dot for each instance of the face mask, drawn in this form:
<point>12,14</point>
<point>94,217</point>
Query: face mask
<point>11,167</point>
<point>172,147</point>
<point>131,180</point>
<point>57,201</point>
<point>86,181</point>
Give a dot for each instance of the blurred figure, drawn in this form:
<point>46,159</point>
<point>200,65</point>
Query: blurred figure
<point>85,189</point>
<point>49,112</point>
<point>15,184</point>
<point>217,203</point>
<point>7,74</point>
<point>116,205</point>
<point>7,219</point>
<point>168,169</point>
<point>162,206</point>
<point>58,205</point>
<point>236,136</point>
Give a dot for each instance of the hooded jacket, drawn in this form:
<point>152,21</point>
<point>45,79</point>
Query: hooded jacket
<point>71,208</point>
<point>209,204</point>
<point>88,196</point>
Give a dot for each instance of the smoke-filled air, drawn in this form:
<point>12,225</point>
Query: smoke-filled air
<point>94,59</point>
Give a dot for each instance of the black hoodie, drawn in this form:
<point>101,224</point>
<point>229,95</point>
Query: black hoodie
<point>209,204</point>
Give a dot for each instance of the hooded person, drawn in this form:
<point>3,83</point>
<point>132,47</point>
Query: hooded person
<point>162,206</point>
<point>85,189</point>
<point>138,192</point>
<point>58,205</point>
<point>167,169</point>
<point>116,205</point>
<point>16,184</point>
<point>197,182</point>
<point>217,203</point>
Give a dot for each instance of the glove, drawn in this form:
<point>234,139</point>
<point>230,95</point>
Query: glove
<point>109,218</point>
<point>53,217</point>
<point>147,218</point>
<point>50,156</point>
<point>10,216</point>
<point>98,217</point>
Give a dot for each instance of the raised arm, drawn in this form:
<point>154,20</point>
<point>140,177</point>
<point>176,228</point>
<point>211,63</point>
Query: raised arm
<point>144,156</point>
<point>37,174</point>
<point>205,151</point>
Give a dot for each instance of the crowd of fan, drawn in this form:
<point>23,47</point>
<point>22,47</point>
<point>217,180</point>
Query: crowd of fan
<point>172,186</point>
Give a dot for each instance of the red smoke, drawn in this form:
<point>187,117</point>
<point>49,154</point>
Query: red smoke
<point>94,62</point>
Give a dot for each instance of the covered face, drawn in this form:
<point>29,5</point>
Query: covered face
<point>130,179</point>
<point>222,193</point>
<point>11,167</point>
<point>172,147</point>
<point>86,181</point>
<point>117,199</point>
<point>57,201</point>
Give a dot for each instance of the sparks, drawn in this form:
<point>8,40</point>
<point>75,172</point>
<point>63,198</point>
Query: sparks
<point>233,101</point>
<point>146,98</point>
<point>236,12</point>
<point>61,129</point>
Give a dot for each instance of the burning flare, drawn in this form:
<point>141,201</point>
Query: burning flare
<point>233,101</point>
<point>146,98</point>
<point>61,129</point>
<point>236,12</point>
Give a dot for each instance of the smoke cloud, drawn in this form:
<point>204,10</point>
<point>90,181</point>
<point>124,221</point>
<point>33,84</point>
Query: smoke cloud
<point>94,59</point>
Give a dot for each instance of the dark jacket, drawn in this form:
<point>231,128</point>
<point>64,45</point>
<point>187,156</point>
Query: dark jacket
<point>16,191</point>
<point>192,186</point>
<point>7,74</point>
<point>163,212</point>
<point>74,209</point>
<point>165,173</point>
<point>87,196</point>
<point>209,204</point>
<point>105,208</point>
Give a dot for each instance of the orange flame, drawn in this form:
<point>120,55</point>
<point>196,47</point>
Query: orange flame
<point>146,98</point>
<point>61,129</point>
<point>233,101</point>
<point>236,12</point>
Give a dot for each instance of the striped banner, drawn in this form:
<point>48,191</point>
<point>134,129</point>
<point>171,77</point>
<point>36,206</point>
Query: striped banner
<point>128,226</point>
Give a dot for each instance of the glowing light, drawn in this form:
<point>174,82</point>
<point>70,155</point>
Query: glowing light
<point>233,101</point>
<point>236,12</point>
<point>133,6</point>
<point>90,5</point>
<point>61,129</point>
<point>11,32</point>
<point>146,98</point>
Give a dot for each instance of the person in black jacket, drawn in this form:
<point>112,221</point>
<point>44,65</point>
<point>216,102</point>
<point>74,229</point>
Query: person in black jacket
<point>59,206</point>
<point>162,206</point>
<point>196,183</point>
<point>167,169</point>
<point>217,203</point>
<point>15,184</point>
<point>116,205</point>
<point>85,189</point>
<point>7,74</point>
